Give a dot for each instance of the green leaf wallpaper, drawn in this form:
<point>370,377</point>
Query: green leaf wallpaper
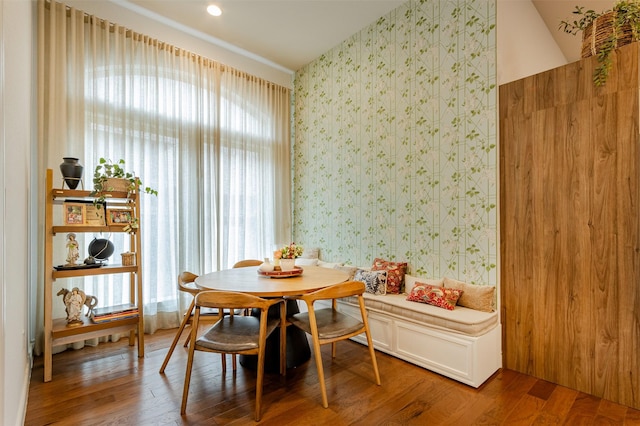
<point>395,143</point>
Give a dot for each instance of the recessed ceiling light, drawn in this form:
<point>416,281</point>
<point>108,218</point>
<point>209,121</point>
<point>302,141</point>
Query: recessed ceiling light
<point>214,10</point>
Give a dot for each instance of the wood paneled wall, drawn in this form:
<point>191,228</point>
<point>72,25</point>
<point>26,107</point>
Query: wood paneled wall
<point>570,228</point>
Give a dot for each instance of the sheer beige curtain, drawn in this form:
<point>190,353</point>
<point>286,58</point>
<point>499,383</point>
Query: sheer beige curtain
<point>212,140</point>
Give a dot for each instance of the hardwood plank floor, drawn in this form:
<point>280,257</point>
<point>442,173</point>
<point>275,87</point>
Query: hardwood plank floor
<point>109,385</point>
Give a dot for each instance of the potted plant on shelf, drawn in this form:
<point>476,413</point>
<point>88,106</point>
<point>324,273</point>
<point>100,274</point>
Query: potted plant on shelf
<point>603,32</point>
<point>111,176</point>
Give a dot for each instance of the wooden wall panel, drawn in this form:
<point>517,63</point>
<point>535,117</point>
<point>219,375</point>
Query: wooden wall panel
<point>570,228</point>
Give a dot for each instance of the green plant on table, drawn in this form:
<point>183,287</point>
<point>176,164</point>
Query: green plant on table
<point>626,12</point>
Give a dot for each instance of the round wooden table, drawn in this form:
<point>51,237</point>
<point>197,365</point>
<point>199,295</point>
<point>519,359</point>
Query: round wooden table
<point>247,280</point>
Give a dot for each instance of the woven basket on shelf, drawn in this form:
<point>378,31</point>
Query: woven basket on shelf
<point>128,259</point>
<point>116,185</point>
<point>594,36</point>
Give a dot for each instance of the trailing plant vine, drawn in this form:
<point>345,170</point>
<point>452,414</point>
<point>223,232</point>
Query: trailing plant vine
<point>106,169</point>
<point>625,13</point>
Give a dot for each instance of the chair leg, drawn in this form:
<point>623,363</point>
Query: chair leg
<point>318,356</point>
<point>367,332</point>
<point>186,341</point>
<point>187,376</point>
<point>283,339</point>
<point>259,381</point>
<point>374,362</point>
<point>183,324</point>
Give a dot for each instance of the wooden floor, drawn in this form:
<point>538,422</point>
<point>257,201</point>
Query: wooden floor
<point>109,385</point>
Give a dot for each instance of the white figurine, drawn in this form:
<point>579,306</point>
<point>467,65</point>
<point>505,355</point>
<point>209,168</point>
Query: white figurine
<point>72,249</point>
<point>74,300</point>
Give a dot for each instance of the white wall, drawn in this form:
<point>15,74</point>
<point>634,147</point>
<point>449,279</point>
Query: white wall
<point>525,45</point>
<point>16,50</point>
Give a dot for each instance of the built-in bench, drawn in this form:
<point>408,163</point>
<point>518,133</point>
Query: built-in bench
<point>463,344</point>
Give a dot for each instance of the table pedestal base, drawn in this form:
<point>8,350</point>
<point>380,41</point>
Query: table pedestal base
<point>298,350</point>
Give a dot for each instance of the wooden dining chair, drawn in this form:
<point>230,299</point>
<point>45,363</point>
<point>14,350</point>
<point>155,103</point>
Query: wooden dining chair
<point>239,334</point>
<point>247,262</point>
<point>186,285</point>
<point>244,264</point>
<point>328,325</point>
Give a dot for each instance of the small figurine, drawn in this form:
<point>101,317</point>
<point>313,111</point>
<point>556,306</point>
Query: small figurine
<point>72,249</point>
<point>73,301</point>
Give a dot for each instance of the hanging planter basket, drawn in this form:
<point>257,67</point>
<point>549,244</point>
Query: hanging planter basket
<point>117,185</point>
<point>603,33</point>
<point>598,32</point>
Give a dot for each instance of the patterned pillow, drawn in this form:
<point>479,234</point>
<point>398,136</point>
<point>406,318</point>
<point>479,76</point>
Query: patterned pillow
<point>441,297</point>
<point>395,274</point>
<point>375,282</point>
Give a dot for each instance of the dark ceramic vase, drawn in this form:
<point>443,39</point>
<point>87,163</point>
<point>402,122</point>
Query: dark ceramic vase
<point>71,171</point>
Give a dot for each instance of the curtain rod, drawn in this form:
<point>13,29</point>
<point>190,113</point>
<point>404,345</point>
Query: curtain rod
<point>113,27</point>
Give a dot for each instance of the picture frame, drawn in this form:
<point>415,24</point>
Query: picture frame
<point>74,214</point>
<point>119,216</point>
<point>95,214</point>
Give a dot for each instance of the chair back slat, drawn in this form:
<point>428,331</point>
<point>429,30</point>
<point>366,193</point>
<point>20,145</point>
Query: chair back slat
<point>337,291</point>
<point>186,283</point>
<point>232,300</point>
<point>247,262</point>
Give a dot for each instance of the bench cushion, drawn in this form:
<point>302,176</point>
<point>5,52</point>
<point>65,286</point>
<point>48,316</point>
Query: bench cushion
<point>460,320</point>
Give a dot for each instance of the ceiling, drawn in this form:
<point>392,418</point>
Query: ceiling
<point>291,33</point>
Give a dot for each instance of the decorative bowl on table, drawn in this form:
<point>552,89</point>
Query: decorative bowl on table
<point>277,273</point>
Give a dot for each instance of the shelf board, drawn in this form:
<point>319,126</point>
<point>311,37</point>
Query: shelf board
<point>76,193</point>
<point>86,228</point>
<point>103,270</point>
<point>61,334</point>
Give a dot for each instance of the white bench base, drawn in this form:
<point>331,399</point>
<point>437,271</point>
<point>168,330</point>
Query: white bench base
<point>468,359</point>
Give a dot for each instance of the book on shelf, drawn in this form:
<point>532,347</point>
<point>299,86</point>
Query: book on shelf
<point>112,313</point>
<point>107,318</point>
<point>107,310</point>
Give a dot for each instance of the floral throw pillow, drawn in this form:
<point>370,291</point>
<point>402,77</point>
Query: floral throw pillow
<point>375,282</point>
<point>441,297</point>
<point>395,274</point>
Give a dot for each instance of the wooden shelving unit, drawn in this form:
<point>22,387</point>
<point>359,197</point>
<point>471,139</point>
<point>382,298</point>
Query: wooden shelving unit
<point>56,330</point>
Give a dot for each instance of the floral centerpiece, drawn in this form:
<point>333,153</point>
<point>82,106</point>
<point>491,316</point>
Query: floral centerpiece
<point>286,256</point>
<point>290,252</point>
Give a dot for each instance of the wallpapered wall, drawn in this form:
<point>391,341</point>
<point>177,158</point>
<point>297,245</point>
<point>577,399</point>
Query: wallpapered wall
<point>395,149</point>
